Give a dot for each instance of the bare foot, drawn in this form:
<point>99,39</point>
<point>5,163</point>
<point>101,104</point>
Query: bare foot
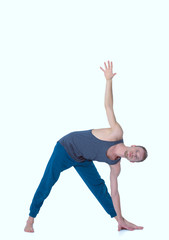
<point>29,225</point>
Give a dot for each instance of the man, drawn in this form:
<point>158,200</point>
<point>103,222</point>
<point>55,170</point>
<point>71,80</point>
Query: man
<point>79,149</point>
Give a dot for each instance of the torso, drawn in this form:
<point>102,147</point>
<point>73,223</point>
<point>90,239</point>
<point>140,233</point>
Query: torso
<point>109,134</point>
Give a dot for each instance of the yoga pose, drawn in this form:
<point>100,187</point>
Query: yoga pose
<point>79,149</point>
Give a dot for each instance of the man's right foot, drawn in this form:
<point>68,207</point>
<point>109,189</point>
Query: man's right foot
<point>29,225</point>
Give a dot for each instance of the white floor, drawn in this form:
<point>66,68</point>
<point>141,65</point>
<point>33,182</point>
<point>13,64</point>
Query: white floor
<point>76,214</point>
<point>69,229</point>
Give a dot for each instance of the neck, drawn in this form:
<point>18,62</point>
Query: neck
<point>120,150</point>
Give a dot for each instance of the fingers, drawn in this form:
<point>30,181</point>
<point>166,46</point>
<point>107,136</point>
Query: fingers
<point>135,226</point>
<point>120,227</point>
<point>139,227</point>
<point>125,228</point>
<point>110,65</point>
<point>105,65</point>
<point>102,69</point>
<point>130,228</point>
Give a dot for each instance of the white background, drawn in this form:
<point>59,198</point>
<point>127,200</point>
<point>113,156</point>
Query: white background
<point>51,84</point>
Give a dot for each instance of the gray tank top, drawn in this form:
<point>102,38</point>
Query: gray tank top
<point>83,145</point>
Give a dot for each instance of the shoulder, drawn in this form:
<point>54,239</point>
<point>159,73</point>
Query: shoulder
<point>109,134</point>
<point>116,132</point>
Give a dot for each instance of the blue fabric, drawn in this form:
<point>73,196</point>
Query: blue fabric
<point>82,145</point>
<point>60,161</point>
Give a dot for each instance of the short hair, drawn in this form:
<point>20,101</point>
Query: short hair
<point>145,153</point>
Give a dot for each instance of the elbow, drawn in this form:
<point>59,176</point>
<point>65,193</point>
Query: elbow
<point>114,194</point>
<point>107,106</point>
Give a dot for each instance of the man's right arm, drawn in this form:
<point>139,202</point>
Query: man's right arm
<point>122,222</point>
<point>114,172</point>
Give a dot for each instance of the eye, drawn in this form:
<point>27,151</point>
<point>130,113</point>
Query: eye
<point>138,154</point>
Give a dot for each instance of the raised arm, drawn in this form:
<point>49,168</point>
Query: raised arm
<point>108,101</point>
<point>108,73</point>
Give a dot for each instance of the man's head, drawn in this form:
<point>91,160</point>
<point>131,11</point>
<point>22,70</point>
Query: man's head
<point>136,153</point>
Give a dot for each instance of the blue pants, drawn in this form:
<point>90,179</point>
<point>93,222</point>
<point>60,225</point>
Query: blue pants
<point>60,161</point>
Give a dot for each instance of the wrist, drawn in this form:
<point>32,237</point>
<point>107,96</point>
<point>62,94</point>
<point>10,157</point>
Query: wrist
<point>119,219</point>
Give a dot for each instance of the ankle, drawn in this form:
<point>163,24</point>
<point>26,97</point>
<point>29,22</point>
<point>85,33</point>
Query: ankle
<point>30,220</point>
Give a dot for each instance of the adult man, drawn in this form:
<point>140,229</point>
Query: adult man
<point>79,149</point>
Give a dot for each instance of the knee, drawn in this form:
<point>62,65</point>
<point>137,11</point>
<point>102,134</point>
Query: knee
<point>99,182</point>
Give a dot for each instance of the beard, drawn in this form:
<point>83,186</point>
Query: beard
<point>125,153</point>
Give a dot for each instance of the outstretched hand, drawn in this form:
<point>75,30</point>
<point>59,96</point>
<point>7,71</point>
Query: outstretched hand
<point>108,71</point>
<point>128,226</point>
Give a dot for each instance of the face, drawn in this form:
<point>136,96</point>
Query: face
<point>134,154</point>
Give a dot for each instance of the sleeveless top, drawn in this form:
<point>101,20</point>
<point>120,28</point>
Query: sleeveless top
<point>83,145</point>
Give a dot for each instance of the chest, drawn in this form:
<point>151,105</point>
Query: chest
<point>111,153</point>
<point>100,149</point>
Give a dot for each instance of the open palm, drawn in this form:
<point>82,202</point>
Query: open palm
<point>108,71</point>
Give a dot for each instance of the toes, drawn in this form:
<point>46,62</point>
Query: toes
<point>29,230</point>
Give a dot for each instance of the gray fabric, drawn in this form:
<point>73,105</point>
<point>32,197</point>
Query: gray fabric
<point>83,145</point>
